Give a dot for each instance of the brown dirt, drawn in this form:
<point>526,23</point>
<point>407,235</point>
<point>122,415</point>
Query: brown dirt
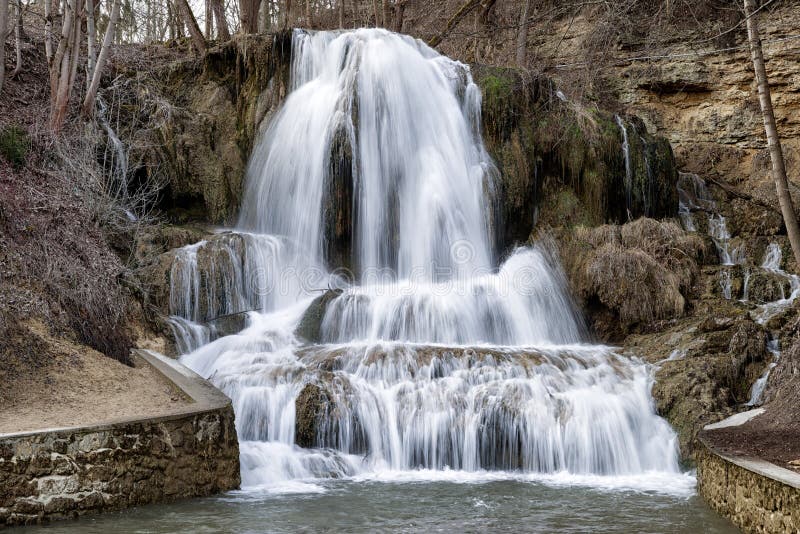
<point>760,438</point>
<point>80,386</point>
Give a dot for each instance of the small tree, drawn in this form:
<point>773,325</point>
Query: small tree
<point>773,141</point>
<point>64,63</point>
<point>3,35</point>
<point>97,71</point>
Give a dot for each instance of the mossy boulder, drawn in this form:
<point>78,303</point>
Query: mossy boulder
<point>766,286</point>
<point>706,365</point>
<point>310,411</point>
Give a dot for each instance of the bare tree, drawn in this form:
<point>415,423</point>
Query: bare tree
<point>209,20</point>
<point>773,141</point>
<point>18,38</point>
<point>3,35</point>
<point>287,14</point>
<point>64,63</point>
<point>91,42</point>
<point>223,33</point>
<point>398,19</point>
<point>457,17</point>
<point>249,15</point>
<point>198,41</point>
<point>97,72</point>
<point>522,36</point>
<point>309,14</point>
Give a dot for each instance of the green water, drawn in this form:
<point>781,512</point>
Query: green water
<point>425,506</point>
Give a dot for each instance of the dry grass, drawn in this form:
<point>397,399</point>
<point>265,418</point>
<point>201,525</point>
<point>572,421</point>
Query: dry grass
<point>641,271</point>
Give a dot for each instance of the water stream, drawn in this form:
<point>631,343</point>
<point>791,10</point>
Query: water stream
<point>434,364</point>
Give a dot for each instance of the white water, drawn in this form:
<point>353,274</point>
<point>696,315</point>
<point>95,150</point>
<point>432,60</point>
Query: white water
<point>772,258</point>
<point>725,283</point>
<point>718,229</point>
<point>757,390</point>
<point>772,262</point>
<point>626,153</point>
<point>439,360</point>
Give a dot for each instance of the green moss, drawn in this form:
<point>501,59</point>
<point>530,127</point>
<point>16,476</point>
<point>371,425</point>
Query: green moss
<point>496,88</point>
<point>14,145</point>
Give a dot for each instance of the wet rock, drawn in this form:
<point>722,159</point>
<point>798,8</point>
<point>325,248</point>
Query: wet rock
<point>309,329</point>
<point>337,209</point>
<point>765,286</point>
<point>310,409</point>
<point>227,325</point>
<point>706,365</point>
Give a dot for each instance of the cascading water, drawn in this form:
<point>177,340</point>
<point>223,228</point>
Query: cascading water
<point>436,357</point>
<point>626,153</point>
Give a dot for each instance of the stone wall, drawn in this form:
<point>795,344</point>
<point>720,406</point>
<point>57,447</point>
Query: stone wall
<point>65,473</point>
<point>757,496</point>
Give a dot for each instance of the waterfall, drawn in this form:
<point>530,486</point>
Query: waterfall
<point>746,284</point>
<point>725,283</point>
<point>772,258</point>
<point>757,390</point>
<point>718,230</point>
<point>626,153</point>
<point>373,179</point>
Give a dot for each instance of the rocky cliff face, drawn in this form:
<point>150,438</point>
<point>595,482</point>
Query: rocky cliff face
<point>202,118</point>
<point>700,93</point>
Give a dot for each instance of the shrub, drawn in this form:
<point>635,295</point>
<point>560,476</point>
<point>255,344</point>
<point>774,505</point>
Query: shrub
<point>14,145</point>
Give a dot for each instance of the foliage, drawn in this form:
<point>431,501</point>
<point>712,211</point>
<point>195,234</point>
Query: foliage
<point>14,145</point>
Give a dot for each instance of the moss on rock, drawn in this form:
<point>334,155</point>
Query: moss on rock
<point>544,146</point>
<point>204,117</point>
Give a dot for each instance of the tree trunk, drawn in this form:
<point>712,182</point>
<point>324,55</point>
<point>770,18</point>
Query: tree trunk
<point>91,41</point>
<point>265,16</point>
<point>209,20</point>
<point>522,35</point>
<point>198,41</point>
<point>223,33</point>
<point>248,13</point>
<point>91,93</point>
<point>3,26</point>
<point>18,40</point>
<point>401,11</point>
<point>62,68</point>
<point>287,14</point>
<point>173,32</point>
<point>48,30</point>
<point>773,141</point>
<point>309,15</point>
<point>377,15</point>
<point>341,14</point>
